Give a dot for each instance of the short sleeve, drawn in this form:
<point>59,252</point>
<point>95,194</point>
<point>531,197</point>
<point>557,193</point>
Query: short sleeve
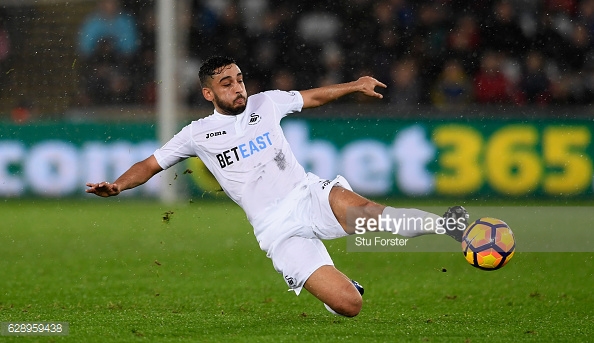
<point>177,149</point>
<point>286,102</point>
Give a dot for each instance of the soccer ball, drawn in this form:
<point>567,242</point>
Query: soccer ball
<point>488,243</point>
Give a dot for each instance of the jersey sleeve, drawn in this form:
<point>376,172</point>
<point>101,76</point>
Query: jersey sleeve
<point>286,102</point>
<point>177,149</point>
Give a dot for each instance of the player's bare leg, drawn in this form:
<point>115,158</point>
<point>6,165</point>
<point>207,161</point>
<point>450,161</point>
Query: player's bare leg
<point>336,290</point>
<point>348,206</point>
<point>330,285</point>
<point>327,283</point>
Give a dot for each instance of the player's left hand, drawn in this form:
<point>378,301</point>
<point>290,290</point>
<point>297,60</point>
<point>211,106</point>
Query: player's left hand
<point>367,86</point>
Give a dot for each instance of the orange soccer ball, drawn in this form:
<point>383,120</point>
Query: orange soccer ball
<point>488,243</point>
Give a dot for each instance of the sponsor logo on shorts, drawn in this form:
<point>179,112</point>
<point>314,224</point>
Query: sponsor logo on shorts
<point>290,281</point>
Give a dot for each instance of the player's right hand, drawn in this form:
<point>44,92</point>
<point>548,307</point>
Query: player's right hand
<point>103,189</point>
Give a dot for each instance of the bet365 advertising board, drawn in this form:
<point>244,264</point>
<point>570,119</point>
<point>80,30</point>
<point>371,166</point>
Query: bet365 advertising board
<point>379,157</point>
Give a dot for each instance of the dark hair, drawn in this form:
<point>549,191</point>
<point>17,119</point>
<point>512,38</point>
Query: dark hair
<point>213,66</point>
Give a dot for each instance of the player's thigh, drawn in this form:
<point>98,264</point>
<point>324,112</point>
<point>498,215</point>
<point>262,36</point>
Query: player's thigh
<point>348,205</point>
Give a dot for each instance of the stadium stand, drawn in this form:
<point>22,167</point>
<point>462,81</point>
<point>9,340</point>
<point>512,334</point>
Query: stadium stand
<point>549,60</point>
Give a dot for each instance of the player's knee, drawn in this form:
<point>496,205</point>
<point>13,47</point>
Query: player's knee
<point>349,306</point>
<point>353,307</point>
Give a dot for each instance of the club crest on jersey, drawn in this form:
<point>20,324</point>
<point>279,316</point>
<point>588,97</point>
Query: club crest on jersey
<point>216,133</point>
<point>254,119</point>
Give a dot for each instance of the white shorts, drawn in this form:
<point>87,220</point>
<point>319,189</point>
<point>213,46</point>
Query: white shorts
<point>290,230</point>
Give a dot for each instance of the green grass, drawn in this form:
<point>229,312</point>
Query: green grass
<point>118,273</point>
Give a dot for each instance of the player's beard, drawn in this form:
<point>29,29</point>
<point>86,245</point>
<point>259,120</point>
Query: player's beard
<point>230,108</point>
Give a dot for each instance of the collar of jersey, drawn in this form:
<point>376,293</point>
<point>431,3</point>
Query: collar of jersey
<point>224,116</point>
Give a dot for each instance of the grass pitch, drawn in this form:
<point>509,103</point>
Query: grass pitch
<point>117,271</point>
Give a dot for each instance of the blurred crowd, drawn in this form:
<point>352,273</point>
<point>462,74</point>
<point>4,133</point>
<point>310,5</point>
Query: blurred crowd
<point>446,53</point>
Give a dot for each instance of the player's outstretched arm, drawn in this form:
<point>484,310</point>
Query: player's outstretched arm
<point>138,174</point>
<point>319,96</point>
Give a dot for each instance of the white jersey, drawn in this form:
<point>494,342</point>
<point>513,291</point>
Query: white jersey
<point>248,153</point>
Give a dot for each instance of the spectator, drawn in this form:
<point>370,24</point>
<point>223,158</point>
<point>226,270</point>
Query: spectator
<point>5,45</point>
<point>108,24</point>
<point>502,32</point>
<point>547,39</point>
<point>491,86</point>
<point>22,112</point>
<point>432,27</point>
<point>283,79</point>
<point>586,16</point>
<point>588,84</point>
<point>535,83</point>
<point>466,35</point>
<point>316,29</point>
<point>577,49</point>
<point>567,7</point>
<point>429,41</point>
<point>359,27</point>
<point>547,61</point>
<point>203,25</point>
<point>453,87</point>
<point>108,41</point>
<point>144,67</point>
<point>231,31</point>
<point>464,41</point>
<point>562,88</point>
<point>480,9</point>
<point>277,31</point>
<point>403,13</point>
<point>388,46</point>
<point>405,87</point>
<point>568,46</point>
<point>332,64</point>
<point>5,55</point>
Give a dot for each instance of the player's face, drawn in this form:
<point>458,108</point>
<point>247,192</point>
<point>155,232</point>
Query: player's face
<point>227,91</point>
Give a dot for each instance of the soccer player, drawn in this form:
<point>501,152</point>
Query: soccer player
<point>244,147</point>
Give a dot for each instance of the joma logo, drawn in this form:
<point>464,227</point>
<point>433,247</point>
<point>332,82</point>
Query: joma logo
<point>214,134</point>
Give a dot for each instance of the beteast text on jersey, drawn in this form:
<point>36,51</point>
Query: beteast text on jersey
<point>244,150</point>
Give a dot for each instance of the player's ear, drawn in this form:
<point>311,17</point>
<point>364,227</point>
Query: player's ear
<point>207,94</point>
